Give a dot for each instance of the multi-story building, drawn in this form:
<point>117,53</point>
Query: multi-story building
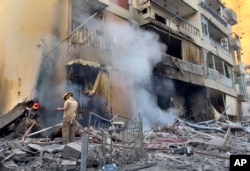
<point>196,64</point>
<point>202,58</point>
<point>241,7</point>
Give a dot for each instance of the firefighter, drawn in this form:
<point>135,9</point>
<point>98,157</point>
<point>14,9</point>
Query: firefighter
<point>33,118</point>
<point>69,115</point>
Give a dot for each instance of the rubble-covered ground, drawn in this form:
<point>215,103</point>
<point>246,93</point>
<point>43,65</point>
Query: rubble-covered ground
<point>182,146</point>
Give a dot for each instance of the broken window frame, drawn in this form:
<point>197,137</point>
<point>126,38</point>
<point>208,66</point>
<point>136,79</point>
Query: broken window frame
<point>213,62</point>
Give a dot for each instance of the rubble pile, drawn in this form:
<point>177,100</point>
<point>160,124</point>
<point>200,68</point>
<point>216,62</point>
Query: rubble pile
<point>124,146</point>
<point>203,146</point>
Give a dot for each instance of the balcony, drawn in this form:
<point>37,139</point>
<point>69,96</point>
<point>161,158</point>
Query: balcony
<point>216,37</point>
<point>170,16</point>
<point>198,70</point>
<point>216,76</point>
<point>221,46</point>
<point>241,87</point>
<point>231,16</point>
<point>239,68</point>
<point>235,41</point>
<point>213,13</point>
<point>89,45</point>
<point>89,6</point>
<point>89,38</point>
<point>182,7</point>
<point>184,65</point>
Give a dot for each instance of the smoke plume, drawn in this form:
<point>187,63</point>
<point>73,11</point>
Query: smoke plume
<point>135,52</point>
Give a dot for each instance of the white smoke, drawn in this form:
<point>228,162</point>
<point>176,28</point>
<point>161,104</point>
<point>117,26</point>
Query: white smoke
<point>135,52</point>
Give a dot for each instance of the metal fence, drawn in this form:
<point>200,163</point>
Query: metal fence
<point>120,143</point>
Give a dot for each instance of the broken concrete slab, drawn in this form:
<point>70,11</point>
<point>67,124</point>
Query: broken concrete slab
<point>72,150</point>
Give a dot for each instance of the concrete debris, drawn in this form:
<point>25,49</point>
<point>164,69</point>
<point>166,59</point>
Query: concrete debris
<point>124,147</point>
<point>72,150</point>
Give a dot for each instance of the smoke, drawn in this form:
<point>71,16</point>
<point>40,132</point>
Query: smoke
<point>49,87</point>
<point>135,52</point>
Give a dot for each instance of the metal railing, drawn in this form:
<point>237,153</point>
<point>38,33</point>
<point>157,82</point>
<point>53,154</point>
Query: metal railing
<point>185,65</point>
<point>196,69</point>
<point>216,44</point>
<point>179,20</point>
<point>90,39</point>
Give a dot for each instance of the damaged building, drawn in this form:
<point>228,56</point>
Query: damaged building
<point>173,63</point>
<point>202,56</point>
<point>202,59</point>
<point>199,70</point>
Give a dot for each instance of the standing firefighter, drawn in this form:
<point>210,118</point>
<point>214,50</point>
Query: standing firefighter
<point>32,120</point>
<point>68,125</point>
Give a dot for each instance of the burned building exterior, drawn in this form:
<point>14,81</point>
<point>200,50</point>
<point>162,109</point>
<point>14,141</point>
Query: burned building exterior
<point>202,57</point>
<point>200,65</point>
<point>149,76</point>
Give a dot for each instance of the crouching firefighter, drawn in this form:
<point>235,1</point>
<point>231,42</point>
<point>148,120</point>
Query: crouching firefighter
<point>69,115</point>
<point>32,120</point>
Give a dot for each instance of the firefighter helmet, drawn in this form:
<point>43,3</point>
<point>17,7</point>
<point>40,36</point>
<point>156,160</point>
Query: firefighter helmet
<point>36,106</point>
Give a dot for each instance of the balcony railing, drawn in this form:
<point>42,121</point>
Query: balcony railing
<point>213,13</point>
<point>179,21</point>
<point>216,44</point>
<point>91,39</point>
<point>216,76</point>
<point>185,66</point>
<point>192,68</point>
<point>235,36</point>
<point>235,41</point>
<point>196,69</point>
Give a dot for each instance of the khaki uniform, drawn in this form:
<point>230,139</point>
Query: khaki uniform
<point>68,124</point>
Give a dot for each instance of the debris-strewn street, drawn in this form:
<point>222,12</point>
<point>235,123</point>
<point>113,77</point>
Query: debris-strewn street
<point>114,145</point>
<point>124,85</point>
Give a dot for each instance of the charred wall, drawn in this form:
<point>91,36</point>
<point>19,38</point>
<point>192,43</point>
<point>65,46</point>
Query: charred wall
<point>191,100</point>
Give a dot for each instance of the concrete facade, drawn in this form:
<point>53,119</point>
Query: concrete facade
<point>191,48</point>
